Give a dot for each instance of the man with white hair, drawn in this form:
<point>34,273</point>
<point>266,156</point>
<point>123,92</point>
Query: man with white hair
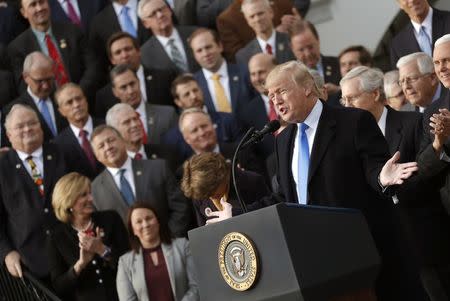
<point>394,93</point>
<point>434,161</point>
<point>418,80</point>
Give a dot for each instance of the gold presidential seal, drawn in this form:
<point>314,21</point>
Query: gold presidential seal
<point>238,261</point>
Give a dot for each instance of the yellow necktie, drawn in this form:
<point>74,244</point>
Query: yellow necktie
<point>223,105</point>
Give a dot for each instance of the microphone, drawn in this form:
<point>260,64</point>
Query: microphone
<point>257,136</point>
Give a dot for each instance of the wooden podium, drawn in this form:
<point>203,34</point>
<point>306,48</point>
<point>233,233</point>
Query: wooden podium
<point>303,253</point>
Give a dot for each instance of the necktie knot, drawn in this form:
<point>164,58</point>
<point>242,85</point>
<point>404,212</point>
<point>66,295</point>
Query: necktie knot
<point>269,48</point>
<point>138,156</point>
<point>124,10</point>
<point>303,128</point>
<point>83,134</point>
<point>215,76</point>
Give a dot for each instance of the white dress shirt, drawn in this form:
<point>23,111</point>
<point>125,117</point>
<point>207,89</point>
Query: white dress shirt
<point>115,172</point>
<point>75,6</point>
<point>49,104</point>
<point>132,11</point>
<point>266,101</point>
<point>271,41</point>
<point>37,159</point>
<point>427,24</point>
<point>88,127</point>
<point>141,151</point>
<point>224,81</point>
<point>382,121</point>
<point>312,121</point>
<point>178,42</point>
<point>143,115</point>
<point>141,77</point>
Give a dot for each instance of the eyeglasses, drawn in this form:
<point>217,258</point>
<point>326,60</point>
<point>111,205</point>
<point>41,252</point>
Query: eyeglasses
<point>30,124</point>
<point>41,81</point>
<point>411,79</point>
<point>351,99</point>
<point>156,11</point>
<point>399,94</point>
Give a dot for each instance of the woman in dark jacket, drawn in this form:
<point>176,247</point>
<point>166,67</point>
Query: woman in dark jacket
<point>84,248</point>
<point>207,181</point>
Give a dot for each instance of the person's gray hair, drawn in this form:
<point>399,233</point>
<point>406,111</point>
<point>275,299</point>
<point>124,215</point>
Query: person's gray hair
<point>444,39</point>
<point>247,2</point>
<point>36,59</point>
<point>189,111</point>
<point>370,79</point>
<point>15,108</point>
<point>111,118</point>
<point>390,81</point>
<point>424,62</point>
<point>141,5</point>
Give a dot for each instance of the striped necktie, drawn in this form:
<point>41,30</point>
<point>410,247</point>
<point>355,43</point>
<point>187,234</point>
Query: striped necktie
<point>36,175</point>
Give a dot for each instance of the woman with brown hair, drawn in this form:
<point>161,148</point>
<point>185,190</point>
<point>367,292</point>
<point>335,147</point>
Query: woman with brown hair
<point>158,267</point>
<point>207,181</point>
<point>84,248</point>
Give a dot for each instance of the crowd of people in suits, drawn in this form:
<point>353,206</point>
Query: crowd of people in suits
<point>119,120</point>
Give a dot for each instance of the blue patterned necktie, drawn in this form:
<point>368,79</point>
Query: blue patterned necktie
<point>125,188</point>
<point>177,57</point>
<point>126,23</point>
<point>424,41</point>
<point>47,117</point>
<point>303,165</point>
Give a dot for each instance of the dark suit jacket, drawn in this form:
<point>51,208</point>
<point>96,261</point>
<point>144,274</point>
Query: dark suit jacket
<point>157,88</point>
<point>78,59</point>
<point>165,152</point>
<point>103,25</point>
<point>348,153</point>
<point>7,88</point>
<point>63,252</point>
<point>88,9</point>
<point>251,187</point>
<point>11,23</point>
<point>185,12</point>
<point>26,218</point>
<point>61,122</point>
<point>405,41</point>
<point>254,114</point>
<point>331,69</point>
<point>154,184</point>
<point>233,28</point>
<point>74,155</point>
<point>155,57</point>
<point>283,52</point>
<point>241,90</point>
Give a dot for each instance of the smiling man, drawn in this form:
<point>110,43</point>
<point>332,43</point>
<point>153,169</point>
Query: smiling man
<point>126,180</point>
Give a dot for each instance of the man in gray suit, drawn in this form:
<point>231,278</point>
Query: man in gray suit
<point>156,119</point>
<point>167,48</point>
<point>259,16</point>
<point>126,180</point>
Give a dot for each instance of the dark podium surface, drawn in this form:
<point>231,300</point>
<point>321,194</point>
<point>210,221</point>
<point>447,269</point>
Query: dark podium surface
<point>305,253</point>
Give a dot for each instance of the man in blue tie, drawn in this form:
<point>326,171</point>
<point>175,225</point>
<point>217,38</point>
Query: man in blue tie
<point>126,180</point>
<point>38,74</point>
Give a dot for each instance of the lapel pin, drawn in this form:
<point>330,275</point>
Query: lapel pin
<point>149,77</point>
<point>328,72</point>
<point>280,47</point>
<point>235,78</point>
<point>138,173</point>
<point>18,166</point>
<point>154,156</point>
<point>49,157</point>
<point>151,121</point>
<point>328,67</point>
<point>62,43</point>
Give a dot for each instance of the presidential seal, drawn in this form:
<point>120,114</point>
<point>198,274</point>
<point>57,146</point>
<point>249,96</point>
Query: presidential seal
<point>238,261</point>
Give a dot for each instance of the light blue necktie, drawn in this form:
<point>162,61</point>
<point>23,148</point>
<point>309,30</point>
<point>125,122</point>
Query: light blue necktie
<point>424,41</point>
<point>126,23</point>
<point>47,117</point>
<point>303,165</point>
<point>177,57</point>
<point>125,188</point>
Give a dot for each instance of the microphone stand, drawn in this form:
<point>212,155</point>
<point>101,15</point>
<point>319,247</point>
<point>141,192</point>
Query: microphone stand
<point>234,165</point>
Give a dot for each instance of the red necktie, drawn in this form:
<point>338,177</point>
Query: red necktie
<point>144,137</point>
<point>72,14</point>
<point>86,146</point>
<point>138,156</point>
<point>269,49</point>
<point>60,72</point>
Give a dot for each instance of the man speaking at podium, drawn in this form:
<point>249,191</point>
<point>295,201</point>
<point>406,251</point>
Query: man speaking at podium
<point>338,157</point>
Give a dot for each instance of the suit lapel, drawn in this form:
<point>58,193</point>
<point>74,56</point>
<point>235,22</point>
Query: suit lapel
<point>168,257</point>
<point>23,173</point>
<point>324,134</point>
<point>393,131</point>
<point>184,38</point>
<point>412,39</point>
<point>233,81</point>
<point>110,185</point>
<point>139,179</point>
<point>48,158</point>
<point>438,26</point>
<point>206,95</point>
<point>286,161</point>
<point>152,121</point>
<point>63,46</point>
<point>112,19</point>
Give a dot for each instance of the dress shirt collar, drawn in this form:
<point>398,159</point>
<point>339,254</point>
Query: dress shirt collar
<point>36,154</point>
<point>141,109</point>
<point>266,101</point>
<point>223,71</point>
<point>427,23</point>
<point>319,67</point>
<point>382,121</point>
<point>165,40</point>
<point>127,165</point>
<point>270,41</point>
<point>131,4</point>
<point>88,127</point>
<point>40,35</point>
<point>35,98</point>
<point>132,154</point>
<point>141,77</point>
<point>312,120</point>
